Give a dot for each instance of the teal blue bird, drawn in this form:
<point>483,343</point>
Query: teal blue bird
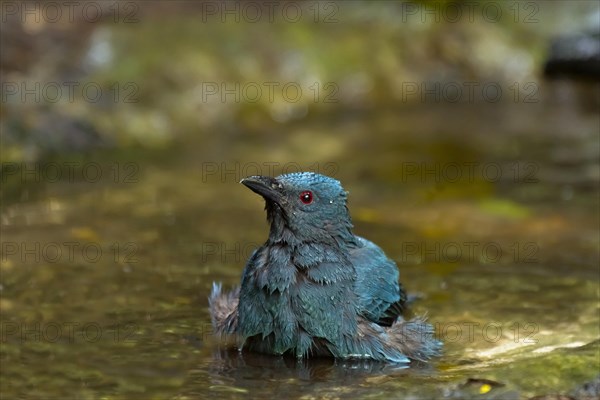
<point>316,289</point>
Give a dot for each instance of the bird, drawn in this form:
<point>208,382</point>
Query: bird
<point>314,289</point>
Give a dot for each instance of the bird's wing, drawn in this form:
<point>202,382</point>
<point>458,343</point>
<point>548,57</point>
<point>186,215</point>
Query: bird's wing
<point>380,295</point>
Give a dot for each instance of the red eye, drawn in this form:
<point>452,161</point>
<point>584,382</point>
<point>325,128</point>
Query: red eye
<point>306,197</point>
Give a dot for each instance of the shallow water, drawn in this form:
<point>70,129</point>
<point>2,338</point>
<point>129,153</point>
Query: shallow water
<point>510,284</point>
<point>491,211</point>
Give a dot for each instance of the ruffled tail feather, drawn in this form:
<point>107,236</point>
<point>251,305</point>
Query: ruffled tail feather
<point>223,309</point>
<point>414,339</point>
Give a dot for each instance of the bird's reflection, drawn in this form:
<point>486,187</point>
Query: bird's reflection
<point>249,370</point>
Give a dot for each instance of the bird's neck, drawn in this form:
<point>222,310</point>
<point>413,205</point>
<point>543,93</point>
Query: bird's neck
<point>332,233</point>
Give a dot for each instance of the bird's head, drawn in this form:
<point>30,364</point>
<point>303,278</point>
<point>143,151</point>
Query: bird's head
<point>304,207</point>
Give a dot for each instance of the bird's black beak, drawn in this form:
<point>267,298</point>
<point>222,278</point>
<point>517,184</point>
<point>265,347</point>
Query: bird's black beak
<point>268,187</point>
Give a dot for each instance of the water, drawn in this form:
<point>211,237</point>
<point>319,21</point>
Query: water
<point>511,285</point>
<point>489,209</point>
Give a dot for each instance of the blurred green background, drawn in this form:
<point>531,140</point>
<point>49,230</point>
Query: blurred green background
<point>126,127</point>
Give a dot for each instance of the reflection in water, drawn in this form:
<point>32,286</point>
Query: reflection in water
<point>254,366</point>
<point>231,370</point>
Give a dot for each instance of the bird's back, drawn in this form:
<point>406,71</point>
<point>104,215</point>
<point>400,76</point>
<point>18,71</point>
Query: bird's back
<point>380,295</point>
